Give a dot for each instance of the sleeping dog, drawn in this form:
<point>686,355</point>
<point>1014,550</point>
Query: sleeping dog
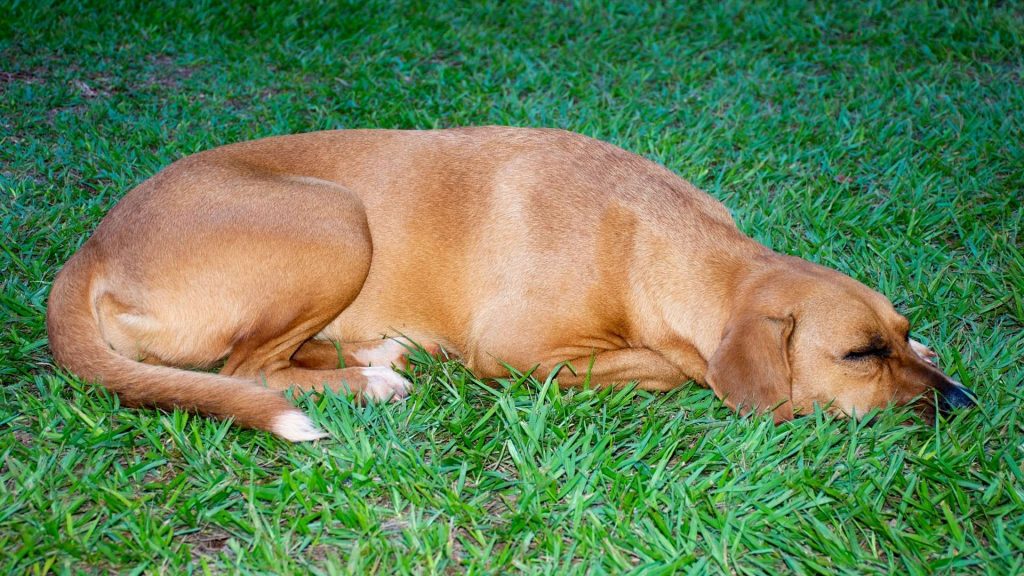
<point>316,260</point>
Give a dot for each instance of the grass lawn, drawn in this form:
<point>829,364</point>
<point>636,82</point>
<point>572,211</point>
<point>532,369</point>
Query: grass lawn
<point>881,139</point>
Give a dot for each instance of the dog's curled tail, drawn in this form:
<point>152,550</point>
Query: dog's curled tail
<point>78,345</point>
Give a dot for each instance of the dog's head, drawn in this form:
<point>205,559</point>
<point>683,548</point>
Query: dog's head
<point>800,335</point>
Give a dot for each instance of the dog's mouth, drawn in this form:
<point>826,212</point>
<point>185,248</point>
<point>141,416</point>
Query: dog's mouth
<point>944,400</point>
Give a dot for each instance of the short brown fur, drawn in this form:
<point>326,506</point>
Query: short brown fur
<point>525,247</point>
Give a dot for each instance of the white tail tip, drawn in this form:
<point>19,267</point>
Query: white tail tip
<point>296,427</point>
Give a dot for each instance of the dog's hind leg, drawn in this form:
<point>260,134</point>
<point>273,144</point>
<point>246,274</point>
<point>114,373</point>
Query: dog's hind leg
<point>304,269</point>
<point>206,262</point>
<point>308,289</point>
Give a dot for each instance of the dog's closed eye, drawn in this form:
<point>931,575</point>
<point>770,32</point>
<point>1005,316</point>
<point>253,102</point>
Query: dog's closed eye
<point>868,352</point>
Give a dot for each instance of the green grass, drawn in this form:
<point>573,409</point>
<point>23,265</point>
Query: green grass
<point>881,139</point>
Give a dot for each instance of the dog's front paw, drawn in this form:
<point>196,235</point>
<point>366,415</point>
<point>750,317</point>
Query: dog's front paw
<point>393,352</point>
<point>383,384</point>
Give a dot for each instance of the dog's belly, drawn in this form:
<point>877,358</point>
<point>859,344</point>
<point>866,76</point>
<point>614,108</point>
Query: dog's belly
<point>507,320</point>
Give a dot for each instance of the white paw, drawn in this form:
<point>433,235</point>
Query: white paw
<point>295,426</point>
<point>384,384</point>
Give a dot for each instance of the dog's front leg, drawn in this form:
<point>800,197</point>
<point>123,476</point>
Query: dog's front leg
<point>648,368</point>
<point>329,354</point>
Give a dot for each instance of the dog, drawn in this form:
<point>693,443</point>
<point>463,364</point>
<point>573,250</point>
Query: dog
<point>316,260</point>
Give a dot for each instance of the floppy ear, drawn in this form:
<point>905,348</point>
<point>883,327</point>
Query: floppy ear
<point>750,370</point>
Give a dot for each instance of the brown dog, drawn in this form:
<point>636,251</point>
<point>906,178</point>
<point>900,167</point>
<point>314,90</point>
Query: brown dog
<point>501,245</point>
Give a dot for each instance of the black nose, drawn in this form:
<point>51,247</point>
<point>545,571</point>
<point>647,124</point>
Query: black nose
<point>955,397</point>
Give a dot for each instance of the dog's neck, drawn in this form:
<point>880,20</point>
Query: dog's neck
<point>684,316</point>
